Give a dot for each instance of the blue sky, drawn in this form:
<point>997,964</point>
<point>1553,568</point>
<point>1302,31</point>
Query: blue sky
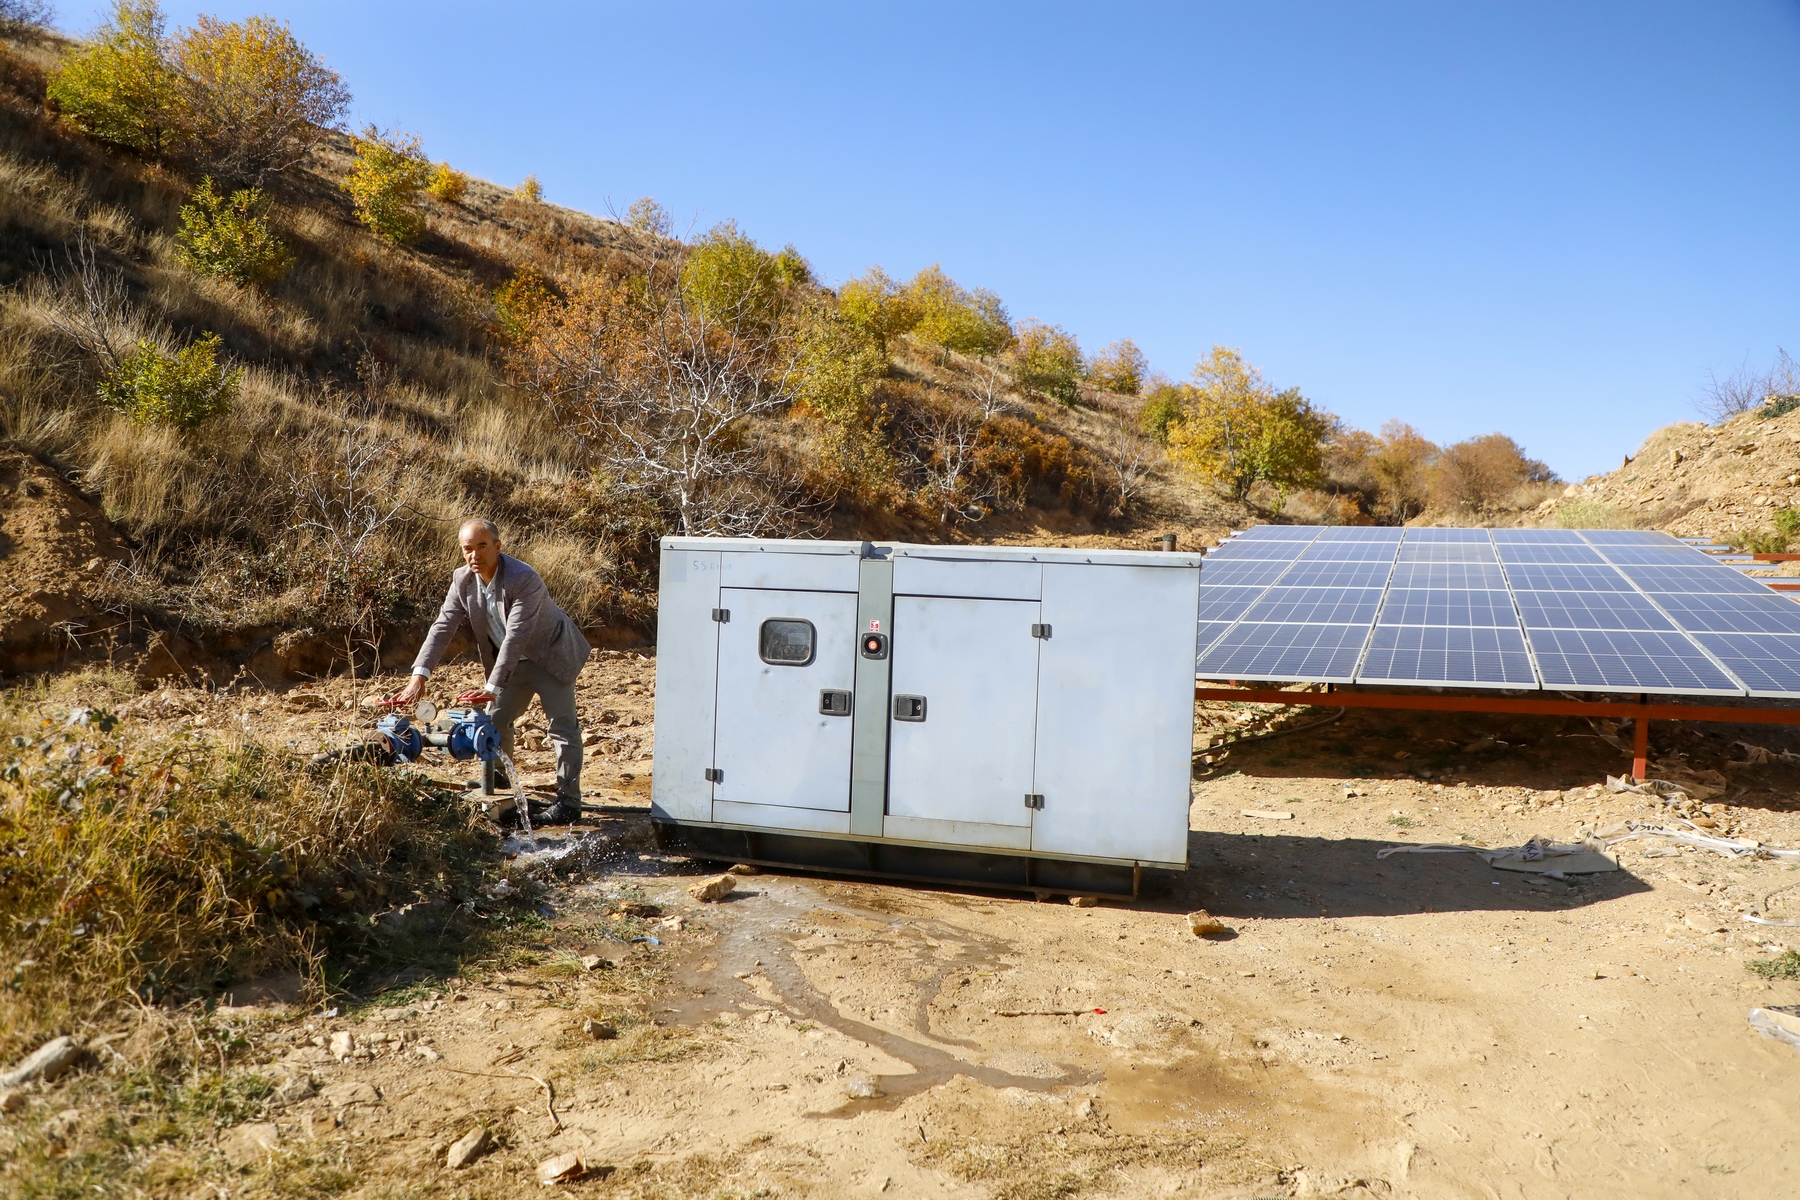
<point>1550,219</point>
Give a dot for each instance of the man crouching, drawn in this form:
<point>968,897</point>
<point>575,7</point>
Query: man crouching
<point>528,646</point>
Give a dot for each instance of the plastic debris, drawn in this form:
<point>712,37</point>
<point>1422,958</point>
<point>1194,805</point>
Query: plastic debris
<point>48,1063</point>
<point>1781,1023</point>
<point>1537,856</point>
<point>563,1168</point>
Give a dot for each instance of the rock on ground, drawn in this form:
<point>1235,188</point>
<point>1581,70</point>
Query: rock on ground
<point>716,888</point>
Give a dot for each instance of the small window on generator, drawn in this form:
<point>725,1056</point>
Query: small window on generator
<point>787,642</point>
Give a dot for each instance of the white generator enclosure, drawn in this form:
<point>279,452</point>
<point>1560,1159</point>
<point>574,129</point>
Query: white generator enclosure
<point>991,714</point>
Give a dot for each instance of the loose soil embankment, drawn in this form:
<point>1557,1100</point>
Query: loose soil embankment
<point>1416,1026</point>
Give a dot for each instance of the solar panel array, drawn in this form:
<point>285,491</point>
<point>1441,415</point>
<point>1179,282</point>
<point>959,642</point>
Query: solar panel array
<point>1569,610</point>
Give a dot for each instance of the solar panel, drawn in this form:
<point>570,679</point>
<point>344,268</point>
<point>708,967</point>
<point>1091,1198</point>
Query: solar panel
<point>1226,603</point>
<point>1210,632</point>
<point>1427,656</point>
<point>1242,548</point>
<point>1709,579</point>
<point>1446,552</point>
<point>1540,537</point>
<point>1257,573</point>
<point>1448,606</point>
<point>1323,551</point>
<point>1335,574</point>
<point>1768,663</point>
<point>1626,661</point>
<point>1557,577</point>
<point>1321,653</point>
<point>1360,533</point>
<point>1629,537</point>
<point>1656,556</point>
<point>1421,536</point>
<point>1517,553</point>
<point>1732,613</point>
<point>1590,610</point>
<point>1279,533</point>
<point>1445,575</point>
<point>1317,605</point>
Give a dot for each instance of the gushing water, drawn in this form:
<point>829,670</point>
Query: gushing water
<point>518,785</point>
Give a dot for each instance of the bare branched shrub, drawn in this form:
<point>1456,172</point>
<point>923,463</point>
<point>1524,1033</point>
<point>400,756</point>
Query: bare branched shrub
<point>354,503</point>
<point>944,448</point>
<point>1128,457</point>
<point>21,16</point>
<point>661,385</point>
<point>1745,390</point>
<point>93,310</point>
<point>989,386</point>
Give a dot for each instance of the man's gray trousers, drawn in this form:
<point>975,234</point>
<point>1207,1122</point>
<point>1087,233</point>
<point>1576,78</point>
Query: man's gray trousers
<point>528,680</point>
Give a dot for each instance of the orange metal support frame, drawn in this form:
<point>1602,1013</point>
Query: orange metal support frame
<point>1642,712</point>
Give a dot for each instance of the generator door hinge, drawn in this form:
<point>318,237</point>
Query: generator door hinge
<point>714,775</point>
<point>1041,631</point>
<point>721,615</point>
<point>1034,800</point>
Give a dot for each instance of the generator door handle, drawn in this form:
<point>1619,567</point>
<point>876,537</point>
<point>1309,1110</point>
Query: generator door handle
<point>909,708</point>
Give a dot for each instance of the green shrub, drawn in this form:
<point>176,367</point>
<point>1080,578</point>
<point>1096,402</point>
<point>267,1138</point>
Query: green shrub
<point>447,183</point>
<point>120,86</point>
<point>1162,409</point>
<point>520,303</point>
<point>1120,368</point>
<point>951,316</point>
<point>731,279</point>
<point>1785,965</point>
<point>183,389</point>
<point>254,99</point>
<point>229,237</point>
<point>385,181</point>
<point>792,268</point>
<point>1777,406</point>
<point>1593,513</point>
<point>1047,359</point>
<point>1778,540</point>
<point>647,216</point>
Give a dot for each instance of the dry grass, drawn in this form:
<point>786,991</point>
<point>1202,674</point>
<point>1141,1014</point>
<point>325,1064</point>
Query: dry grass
<point>163,866</point>
<point>390,342</point>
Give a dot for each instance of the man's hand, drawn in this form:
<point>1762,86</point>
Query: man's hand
<point>415,687</point>
<point>479,696</point>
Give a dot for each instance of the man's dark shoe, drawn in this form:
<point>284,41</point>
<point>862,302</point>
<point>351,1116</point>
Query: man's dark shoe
<point>563,812</point>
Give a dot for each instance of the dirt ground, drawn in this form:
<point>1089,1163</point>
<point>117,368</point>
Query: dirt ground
<point>1421,1025</point>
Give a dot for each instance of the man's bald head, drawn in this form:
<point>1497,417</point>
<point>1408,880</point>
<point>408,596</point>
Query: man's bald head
<point>480,541</point>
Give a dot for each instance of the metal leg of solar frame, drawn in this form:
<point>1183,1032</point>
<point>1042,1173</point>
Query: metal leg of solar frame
<point>1640,744</point>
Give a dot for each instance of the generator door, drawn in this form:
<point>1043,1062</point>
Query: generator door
<point>1116,712</point>
<point>964,709</point>
<point>787,665</point>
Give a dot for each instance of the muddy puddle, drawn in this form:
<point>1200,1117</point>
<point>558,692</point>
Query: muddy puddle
<point>760,940</point>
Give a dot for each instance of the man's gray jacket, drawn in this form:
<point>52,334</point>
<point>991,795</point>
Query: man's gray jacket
<point>536,628</point>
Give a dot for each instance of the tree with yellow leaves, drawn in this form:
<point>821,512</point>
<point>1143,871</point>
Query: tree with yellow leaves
<point>255,100</point>
<point>1237,430</point>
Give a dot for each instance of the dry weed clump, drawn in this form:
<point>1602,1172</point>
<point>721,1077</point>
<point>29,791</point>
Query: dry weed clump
<point>165,866</point>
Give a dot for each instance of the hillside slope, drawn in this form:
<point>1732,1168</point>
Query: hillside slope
<point>315,520</point>
<point>1727,481</point>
